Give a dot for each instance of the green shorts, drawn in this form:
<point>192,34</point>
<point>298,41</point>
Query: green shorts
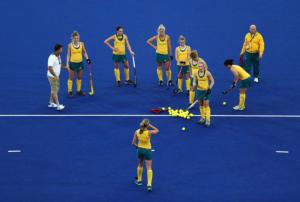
<point>184,70</point>
<point>201,95</point>
<point>119,58</point>
<point>76,66</point>
<point>161,58</point>
<point>144,154</point>
<point>245,83</point>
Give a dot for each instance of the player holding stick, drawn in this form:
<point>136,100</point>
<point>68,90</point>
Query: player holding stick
<point>203,82</point>
<point>75,62</point>
<point>119,54</point>
<point>142,141</point>
<point>163,53</point>
<point>239,75</point>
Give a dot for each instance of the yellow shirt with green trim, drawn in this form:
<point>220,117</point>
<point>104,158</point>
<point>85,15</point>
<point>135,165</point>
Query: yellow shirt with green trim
<point>253,44</point>
<point>144,139</point>
<point>242,74</point>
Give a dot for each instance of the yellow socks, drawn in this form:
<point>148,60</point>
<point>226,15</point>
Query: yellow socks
<point>139,173</point>
<point>159,74</point>
<point>70,85</point>
<point>180,84</point>
<point>117,74</point>
<point>202,112</point>
<point>207,113</point>
<point>78,84</point>
<point>242,100</point>
<point>149,177</point>
<point>188,84</point>
<point>192,96</point>
<point>126,72</point>
<point>169,75</point>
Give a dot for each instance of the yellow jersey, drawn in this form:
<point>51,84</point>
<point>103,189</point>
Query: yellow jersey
<point>76,53</point>
<point>119,44</point>
<point>253,43</point>
<point>203,81</point>
<point>144,139</point>
<point>194,67</point>
<point>242,74</point>
<point>183,55</point>
<point>162,45</point>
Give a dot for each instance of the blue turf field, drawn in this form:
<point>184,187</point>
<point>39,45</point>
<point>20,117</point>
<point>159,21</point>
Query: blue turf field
<point>91,159</point>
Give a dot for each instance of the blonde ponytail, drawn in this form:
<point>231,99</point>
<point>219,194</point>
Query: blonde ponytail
<point>144,125</point>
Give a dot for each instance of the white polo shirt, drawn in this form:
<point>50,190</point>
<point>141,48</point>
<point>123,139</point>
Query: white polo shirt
<point>55,63</point>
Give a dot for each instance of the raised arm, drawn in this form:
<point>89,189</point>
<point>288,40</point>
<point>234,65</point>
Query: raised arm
<point>129,47</point>
<point>153,130</point>
<point>107,42</point>
<point>150,42</point>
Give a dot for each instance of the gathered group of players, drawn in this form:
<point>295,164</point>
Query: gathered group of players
<point>199,81</point>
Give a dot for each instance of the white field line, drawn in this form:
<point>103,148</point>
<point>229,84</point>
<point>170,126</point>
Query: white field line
<point>151,115</point>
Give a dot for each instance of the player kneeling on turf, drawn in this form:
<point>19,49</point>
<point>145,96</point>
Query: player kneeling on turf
<point>239,75</point>
<point>144,153</point>
<point>203,82</point>
<point>54,67</point>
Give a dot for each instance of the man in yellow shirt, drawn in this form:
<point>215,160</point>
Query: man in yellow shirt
<point>253,49</point>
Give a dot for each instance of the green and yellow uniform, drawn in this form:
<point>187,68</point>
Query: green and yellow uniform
<point>253,46</point>
<point>144,152</point>
<point>119,56</point>
<point>183,65</point>
<point>162,56</point>
<point>193,71</point>
<point>76,64</point>
<point>245,81</point>
<point>202,82</point>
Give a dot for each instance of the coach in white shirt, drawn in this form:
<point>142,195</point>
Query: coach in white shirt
<point>54,67</point>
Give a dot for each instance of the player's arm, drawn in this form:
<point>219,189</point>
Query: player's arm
<point>150,42</point>
<point>194,83</point>
<point>261,47</point>
<point>129,47</point>
<point>68,55</point>
<point>176,54</point>
<point>244,46</point>
<point>134,140</point>
<point>188,57</point>
<point>211,80</point>
<point>107,42</point>
<point>85,54</point>
<point>235,78</point>
<point>170,47</point>
<point>153,130</point>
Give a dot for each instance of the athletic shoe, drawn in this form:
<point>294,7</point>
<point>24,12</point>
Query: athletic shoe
<point>202,121</point>
<point>149,188</point>
<point>52,105</point>
<point>60,107</point>
<point>160,83</point>
<point>179,91</point>
<point>170,83</point>
<point>207,123</point>
<point>70,94</point>
<point>118,83</point>
<point>128,82</point>
<point>138,183</point>
<point>255,80</point>
<point>238,108</point>
<point>80,93</point>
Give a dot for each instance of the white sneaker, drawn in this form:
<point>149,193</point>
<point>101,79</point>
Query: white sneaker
<point>255,80</point>
<point>52,105</point>
<point>238,108</point>
<point>60,107</point>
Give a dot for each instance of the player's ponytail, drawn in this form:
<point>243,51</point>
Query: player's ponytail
<point>144,125</point>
